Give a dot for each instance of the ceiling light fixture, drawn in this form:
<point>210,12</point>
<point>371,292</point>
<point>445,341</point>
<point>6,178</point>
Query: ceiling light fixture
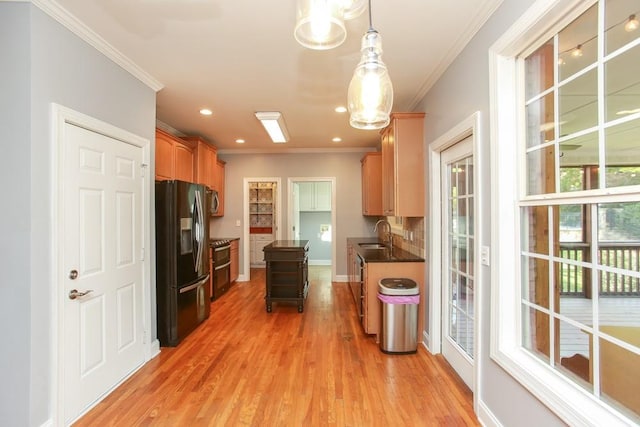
<point>632,24</point>
<point>273,123</point>
<point>337,139</point>
<point>370,95</point>
<point>577,52</point>
<point>341,109</point>
<point>240,141</point>
<point>319,24</point>
<point>353,8</point>
<point>206,112</point>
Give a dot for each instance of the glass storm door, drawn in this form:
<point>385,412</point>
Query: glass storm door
<point>458,294</point>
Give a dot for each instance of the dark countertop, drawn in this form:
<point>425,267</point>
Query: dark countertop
<point>288,244</point>
<point>381,255</point>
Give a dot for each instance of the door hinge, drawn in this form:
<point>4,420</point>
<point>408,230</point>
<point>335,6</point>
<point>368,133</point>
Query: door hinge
<point>142,254</point>
<point>143,170</point>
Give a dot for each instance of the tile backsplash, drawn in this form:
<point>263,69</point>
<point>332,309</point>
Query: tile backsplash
<point>411,225</point>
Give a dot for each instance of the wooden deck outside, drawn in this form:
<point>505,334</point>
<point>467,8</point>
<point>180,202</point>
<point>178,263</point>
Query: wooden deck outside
<point>247,367</point>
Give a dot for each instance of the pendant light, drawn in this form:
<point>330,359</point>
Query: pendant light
<point>320,24</point>
<point>370,95</point>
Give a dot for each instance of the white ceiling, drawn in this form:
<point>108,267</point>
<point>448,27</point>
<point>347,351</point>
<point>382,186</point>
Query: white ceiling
<point>237,57</point>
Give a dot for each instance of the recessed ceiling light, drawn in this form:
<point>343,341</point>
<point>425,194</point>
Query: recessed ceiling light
<point>240,141</point>
<point>341,109</point>
<point>337,139</point>
<point>206,112</point>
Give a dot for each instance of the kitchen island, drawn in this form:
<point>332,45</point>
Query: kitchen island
<point>287,277</point>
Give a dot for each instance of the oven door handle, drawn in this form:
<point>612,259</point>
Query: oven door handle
<point>222,248</point>
<point>219,267</point>
<point>195,285</point>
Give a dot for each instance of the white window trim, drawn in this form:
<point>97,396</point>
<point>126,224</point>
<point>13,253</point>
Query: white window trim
<point>573,404</point>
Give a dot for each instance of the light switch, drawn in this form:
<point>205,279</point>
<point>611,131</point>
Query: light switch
<point>484,255</point>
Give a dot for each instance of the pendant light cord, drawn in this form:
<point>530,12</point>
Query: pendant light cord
<point>370,23</point>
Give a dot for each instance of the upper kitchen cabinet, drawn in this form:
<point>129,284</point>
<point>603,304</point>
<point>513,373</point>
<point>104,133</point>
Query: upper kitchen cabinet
<point>175,158</point>
<point>219,185</point>
<point>403,165</point>
<point>206,158</point>
<point>372,184</point>
<point>315,196</point>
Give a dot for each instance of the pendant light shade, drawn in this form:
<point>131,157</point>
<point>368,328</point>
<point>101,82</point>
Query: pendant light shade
<point>370,95</point>
<point>320,24</point>
<point>352,8</point>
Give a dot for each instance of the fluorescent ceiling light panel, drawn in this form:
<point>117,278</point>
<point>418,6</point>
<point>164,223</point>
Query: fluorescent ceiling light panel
<point>274,125</point>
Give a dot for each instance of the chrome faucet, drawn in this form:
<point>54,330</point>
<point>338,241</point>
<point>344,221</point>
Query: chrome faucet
<point>389,237</point>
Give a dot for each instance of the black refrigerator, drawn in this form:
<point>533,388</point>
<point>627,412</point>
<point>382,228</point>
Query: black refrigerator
<point>182,259</point>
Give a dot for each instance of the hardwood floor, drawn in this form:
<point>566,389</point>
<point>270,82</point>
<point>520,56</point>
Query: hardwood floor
<point>245,366</point>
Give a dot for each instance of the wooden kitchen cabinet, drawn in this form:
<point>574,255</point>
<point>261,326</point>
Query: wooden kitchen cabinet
<point>235,259</point>
<point>372,184</point>
<point>373,272</point>
<point>175,159</point>
<point>403,165</point>
<point>219,185</point>
<point>315,196</point>
<point>206,156</point>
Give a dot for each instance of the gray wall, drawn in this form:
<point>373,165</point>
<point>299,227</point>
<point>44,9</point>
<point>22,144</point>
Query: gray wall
<point>462,90</point>
<point>310,223</point>
<point>345,167</point>
<point>43,63</point>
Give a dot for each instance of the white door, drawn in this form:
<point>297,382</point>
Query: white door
<point>101,242</point>
<point>458,294</point>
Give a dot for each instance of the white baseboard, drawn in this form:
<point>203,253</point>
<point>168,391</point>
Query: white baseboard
<point>48,423</point>
<point>154,348</point>
<point>341,278</point>
<point>486,417</point>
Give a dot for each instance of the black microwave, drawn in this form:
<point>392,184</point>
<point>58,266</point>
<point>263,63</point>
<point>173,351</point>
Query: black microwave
<point>213,202</point>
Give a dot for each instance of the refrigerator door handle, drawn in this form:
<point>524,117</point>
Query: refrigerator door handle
<point>195,285</point>
<point>199,229</point>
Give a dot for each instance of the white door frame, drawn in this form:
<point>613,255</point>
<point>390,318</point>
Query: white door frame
<point>246,252</point>
<point>469,127</point>
<point>332,180</point>
<point>60,117</point>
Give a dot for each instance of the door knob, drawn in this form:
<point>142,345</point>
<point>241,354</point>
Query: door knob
<point>73,294</point>
<point>73,274</point>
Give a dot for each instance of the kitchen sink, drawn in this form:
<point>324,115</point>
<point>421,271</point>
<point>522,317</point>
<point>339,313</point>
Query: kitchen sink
<point>372,246</point>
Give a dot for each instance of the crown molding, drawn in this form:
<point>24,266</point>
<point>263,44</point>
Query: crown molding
<point>297,150</point>
<point>73,24</point>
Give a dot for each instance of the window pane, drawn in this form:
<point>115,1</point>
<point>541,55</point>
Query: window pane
<point>535,332</point>
<point>616,19</point>
<point>622,84</point>
<point>574,354</point>
<point>622,148</point>
<point>535,281</point>
<point>535,224</point>
<point>540,121</point>
<point>618,222</point>
<point>538,68</point>
<point>582,33</point>
<point>541,171</point>
<point>579,152</point>
<point>461,168</point>
<point>571,223</point>
<point>578,104</point>
<point>619,373</point>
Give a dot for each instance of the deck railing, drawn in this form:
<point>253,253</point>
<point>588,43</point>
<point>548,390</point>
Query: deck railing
<point>575,280</point>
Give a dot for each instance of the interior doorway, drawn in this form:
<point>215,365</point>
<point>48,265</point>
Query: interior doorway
<point>262,219</point>
<point>312,217</point>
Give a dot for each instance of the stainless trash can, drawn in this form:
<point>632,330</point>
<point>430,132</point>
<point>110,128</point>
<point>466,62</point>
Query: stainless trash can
<point>399,298</point>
